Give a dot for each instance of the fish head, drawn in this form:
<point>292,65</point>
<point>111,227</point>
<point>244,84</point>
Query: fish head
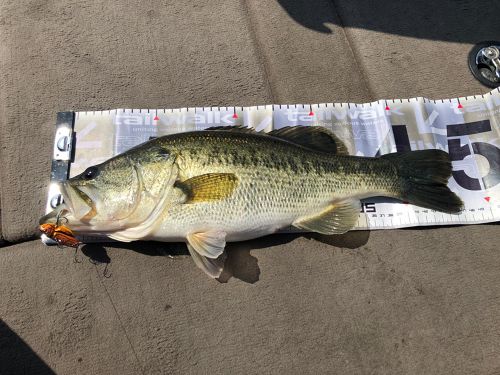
<point>103,194</point>
<point>98,199</point>
<point>117,194</point>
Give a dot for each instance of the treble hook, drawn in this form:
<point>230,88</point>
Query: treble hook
<point>76,259</point>
<point>105,272</point>
<point>59,217</point>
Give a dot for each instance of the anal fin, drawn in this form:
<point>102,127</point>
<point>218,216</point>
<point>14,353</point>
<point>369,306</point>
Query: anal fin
<point>337,218</point>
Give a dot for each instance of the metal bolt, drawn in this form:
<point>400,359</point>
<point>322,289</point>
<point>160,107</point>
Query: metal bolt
<point>491,52</point>
<point>63,144</point>
<point>56,200</point>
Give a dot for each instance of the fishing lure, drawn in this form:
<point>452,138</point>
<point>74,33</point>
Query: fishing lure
<point>61,234</point>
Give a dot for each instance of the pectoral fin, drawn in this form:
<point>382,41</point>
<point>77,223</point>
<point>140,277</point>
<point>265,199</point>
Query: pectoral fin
<point>337,218</point>
<point>208,187</point>
<point>207,251</point>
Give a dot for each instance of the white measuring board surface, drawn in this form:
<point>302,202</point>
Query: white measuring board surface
<point>467,128</point>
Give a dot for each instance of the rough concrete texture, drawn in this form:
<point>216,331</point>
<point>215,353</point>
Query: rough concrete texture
<point>386,307</point>
<point>2,241</point>
<point>424,57</point>
<point>388,302</point>
<point>302,65</point>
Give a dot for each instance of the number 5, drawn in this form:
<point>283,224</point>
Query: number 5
<point>458,152</point>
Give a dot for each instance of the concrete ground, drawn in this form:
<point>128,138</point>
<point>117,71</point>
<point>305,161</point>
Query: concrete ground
<point>407,301</point>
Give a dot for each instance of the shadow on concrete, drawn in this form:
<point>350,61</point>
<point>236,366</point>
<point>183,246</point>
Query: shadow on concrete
<point>16,357</point>
<point>465,21</point>
<point>96,253</point>
<point>429,227</point>
<point>239,262</point>
<point>243,266</point>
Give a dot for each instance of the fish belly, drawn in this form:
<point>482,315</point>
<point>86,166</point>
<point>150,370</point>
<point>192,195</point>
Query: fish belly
<point>252,213</point>
<point>238,224</point>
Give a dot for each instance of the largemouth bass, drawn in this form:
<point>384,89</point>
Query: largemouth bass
<point>232,184</point>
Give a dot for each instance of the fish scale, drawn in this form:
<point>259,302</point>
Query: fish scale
<point>275,187</point>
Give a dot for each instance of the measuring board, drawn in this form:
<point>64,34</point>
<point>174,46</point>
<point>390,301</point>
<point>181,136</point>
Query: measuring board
<point>467,128</point>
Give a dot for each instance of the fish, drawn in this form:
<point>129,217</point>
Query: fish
<point>61,234</point>
<point>225,184</point>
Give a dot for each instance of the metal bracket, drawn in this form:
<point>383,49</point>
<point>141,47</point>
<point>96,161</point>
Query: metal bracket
<point>61,159</point>
<point>484,63</point>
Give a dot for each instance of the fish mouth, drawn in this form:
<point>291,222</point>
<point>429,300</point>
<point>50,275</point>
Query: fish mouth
<point>54,216</point>
<point>77,205</point>
<point>79,200</point>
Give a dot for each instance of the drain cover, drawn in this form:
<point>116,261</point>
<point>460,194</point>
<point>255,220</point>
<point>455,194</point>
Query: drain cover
<point>484,63</point>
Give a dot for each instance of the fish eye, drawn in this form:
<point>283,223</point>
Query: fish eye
<point>90,173</point>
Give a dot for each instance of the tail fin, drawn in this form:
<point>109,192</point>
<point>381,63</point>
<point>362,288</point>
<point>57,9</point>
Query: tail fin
<point>425,177</point>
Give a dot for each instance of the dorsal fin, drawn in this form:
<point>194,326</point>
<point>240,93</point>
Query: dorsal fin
<point>238,128</point>
<point>313,137</point>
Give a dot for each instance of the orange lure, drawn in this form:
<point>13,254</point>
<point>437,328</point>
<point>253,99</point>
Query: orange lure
<point>61,234</point>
